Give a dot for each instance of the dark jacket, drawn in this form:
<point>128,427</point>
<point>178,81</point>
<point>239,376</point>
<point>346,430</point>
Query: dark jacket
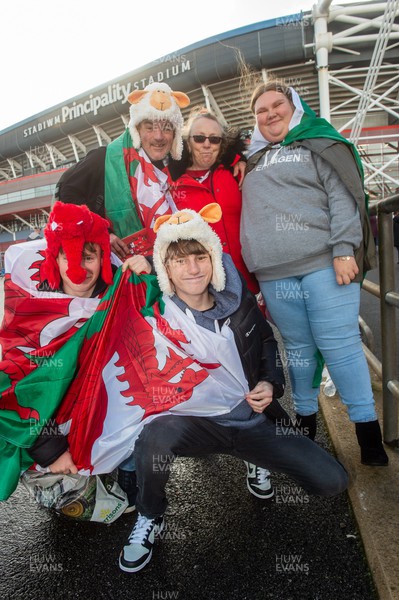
<point>258,351</point>
<point>49,446</point>
<point>84,182</point>
<point>256,344</point>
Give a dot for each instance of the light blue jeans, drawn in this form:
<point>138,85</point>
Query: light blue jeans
<point>314,312</point>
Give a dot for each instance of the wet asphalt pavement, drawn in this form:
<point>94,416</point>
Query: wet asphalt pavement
<point>220,542</point>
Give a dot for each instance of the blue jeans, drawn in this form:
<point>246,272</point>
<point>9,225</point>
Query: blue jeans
<point>266,445</point>
<point>314,312</point>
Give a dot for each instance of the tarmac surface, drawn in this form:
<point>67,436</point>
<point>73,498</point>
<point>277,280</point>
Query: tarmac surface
<point>220,542</point>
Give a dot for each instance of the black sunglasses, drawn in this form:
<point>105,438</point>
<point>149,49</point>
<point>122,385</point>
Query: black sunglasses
<point>213,139</point>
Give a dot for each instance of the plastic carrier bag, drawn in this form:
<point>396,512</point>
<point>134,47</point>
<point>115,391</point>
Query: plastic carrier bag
<point>83,498</point>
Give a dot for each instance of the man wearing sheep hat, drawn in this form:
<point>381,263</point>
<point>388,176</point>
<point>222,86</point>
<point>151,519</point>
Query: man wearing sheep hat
<point>128,180</point>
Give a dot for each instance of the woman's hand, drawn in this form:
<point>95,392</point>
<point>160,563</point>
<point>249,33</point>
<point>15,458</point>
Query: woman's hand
<point>137,263</point>
<point>118,246</point>
<point>239,170</point>
<point>260,396</point>
<point>64,464</point>
<point>345,268</point>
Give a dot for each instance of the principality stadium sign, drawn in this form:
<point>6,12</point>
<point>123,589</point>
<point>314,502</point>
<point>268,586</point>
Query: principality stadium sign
<point>116,92</point>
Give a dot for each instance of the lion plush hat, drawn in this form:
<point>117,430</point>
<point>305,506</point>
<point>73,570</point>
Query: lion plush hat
<point>189,225</point>
<point>157,102</point>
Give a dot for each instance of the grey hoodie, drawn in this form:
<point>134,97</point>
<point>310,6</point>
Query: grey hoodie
<point>297,215</point>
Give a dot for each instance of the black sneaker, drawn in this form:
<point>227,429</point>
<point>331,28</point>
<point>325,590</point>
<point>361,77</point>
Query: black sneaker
<point>138,552</point>
<point>258,481</point>
<point>128,483</point>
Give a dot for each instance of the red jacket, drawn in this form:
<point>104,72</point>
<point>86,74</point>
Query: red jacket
<point>189,193</point>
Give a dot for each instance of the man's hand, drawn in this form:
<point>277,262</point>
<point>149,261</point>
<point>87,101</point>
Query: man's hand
<point>137,263</point>
<point>64,464</point>
<point>118,246</point>
<point>345,269</point>
<point>239,169</point>
<point>260,396</point>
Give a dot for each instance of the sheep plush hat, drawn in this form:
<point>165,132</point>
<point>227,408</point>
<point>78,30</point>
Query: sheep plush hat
<point>189,225</point>
<point>157,102</point>
<point>69,227</point>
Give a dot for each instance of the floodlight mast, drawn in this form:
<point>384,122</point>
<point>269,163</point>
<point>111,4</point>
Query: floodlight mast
<point>323,45</point>
<point>325,41</point>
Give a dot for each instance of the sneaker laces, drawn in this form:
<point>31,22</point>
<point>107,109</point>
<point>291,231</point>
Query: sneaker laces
<point>262,474</point>
<point>141,530</point>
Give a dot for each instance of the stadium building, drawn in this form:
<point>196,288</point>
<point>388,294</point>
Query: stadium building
<point>344,61</point>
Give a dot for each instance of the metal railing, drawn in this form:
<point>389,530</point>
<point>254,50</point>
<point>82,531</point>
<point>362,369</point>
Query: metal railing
<point>387,369</point>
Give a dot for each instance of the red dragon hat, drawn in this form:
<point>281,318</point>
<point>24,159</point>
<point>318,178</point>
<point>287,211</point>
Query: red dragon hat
<point>69,227</point>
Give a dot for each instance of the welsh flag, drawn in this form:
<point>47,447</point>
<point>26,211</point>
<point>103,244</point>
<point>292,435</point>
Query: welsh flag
<point>102,367</point>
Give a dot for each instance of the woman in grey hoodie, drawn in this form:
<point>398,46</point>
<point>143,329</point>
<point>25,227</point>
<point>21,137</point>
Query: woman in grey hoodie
<point>303,229</point>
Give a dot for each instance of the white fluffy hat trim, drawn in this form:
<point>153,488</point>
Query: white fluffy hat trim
<point>157,102</point>
<point>189,225</point>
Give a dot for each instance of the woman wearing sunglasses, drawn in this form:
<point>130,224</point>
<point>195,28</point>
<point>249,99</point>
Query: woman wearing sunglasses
<point>205,175</point>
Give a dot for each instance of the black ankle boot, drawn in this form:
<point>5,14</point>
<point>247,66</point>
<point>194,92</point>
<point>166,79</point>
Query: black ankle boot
<point>307,425</point>
<point>370,441</point>
<point>128,483</point>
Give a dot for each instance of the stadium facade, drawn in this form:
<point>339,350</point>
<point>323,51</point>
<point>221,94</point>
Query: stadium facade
<point>353,50</point>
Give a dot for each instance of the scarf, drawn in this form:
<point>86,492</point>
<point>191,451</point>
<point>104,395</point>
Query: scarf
<point>136,191</point>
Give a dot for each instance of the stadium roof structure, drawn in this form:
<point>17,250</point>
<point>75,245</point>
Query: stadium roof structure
<point>343,61</point>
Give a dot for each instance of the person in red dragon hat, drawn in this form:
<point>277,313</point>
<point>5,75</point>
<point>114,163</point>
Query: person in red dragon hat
<point>77,263</point>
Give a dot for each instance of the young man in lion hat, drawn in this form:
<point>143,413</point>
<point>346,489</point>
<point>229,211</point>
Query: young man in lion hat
<point>221,328</point>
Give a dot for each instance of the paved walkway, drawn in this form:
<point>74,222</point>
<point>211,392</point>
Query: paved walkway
<point>221,542</point>
<point>373,493</point>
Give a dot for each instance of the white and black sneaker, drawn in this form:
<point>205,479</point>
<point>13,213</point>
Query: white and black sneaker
<point>258,481</point>
<point>138,552</point>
